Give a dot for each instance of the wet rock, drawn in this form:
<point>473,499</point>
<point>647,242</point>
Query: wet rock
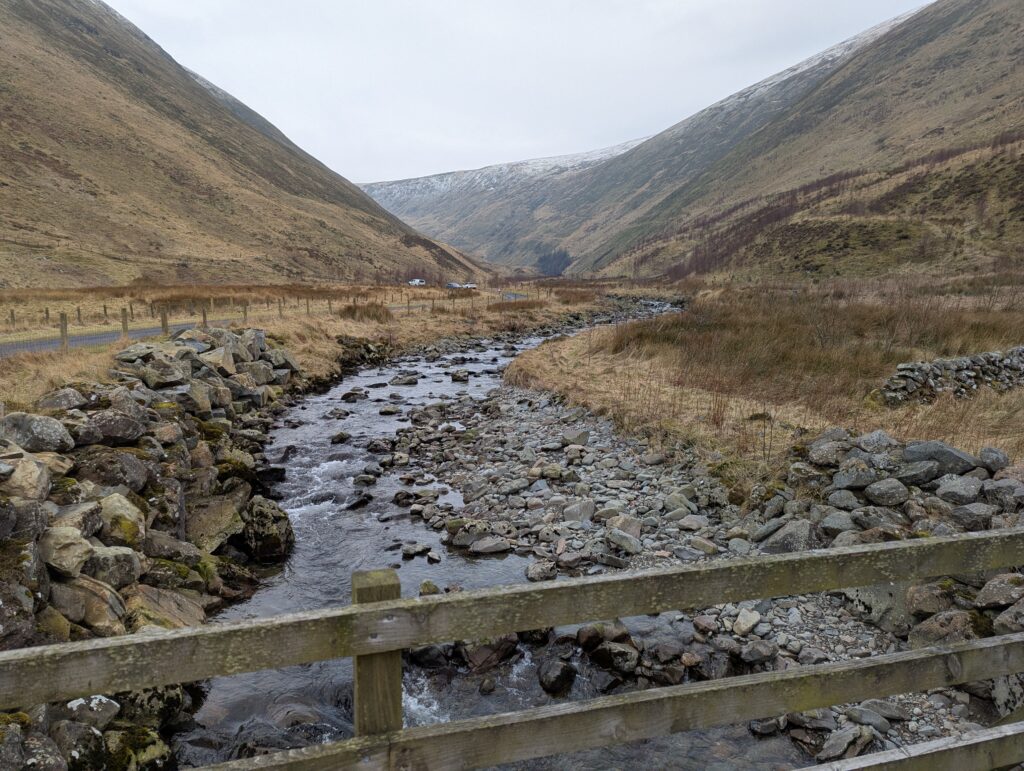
<point>838,743</point>
<point>490,544</point>
<point>616,656</point>
<point>487,654</point>
<point>267,532</point>
<point>556,677</point>
<point>212,521</point>
<point>543,570</point>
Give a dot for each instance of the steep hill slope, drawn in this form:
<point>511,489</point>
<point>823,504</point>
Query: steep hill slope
<point>934,107</point>
<point>874,140</point>
<point>482,209</point>
<point>117,163</point>
<point>577,210</point>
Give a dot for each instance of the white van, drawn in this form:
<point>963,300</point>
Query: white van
<point>417,282</point>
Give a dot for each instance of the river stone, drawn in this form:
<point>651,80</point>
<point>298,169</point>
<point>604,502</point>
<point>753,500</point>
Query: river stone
<point>149,606</point>
<point>624,541</point>
<point>580,511</point>
<point>865,716</point>
<point>958,489</point>
<point>949,626</point>
<point>85,600</point>
<point>844,499</point>
<point>745,622</point>
<point>759,651</point>
<point>64,550</point>
<point>490,544</point>
<point>542,570</point>
<point>1005,589</point>
<point>487,654</point>
<point>36,433</point>
<point>886,709</point>
<point>556,677</point>
<point>627,524</point>
<point>838,743</point>
<point>575,436</point>
<point>123,523</point>
<point>950,459</point>
<point>887,492</point>
<point>617,656</point>
<point>114,565</point>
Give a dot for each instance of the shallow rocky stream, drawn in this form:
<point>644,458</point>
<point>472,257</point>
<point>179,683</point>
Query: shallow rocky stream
<point>345,521</point>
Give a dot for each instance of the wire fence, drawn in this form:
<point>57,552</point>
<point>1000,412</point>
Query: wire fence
<point>42,330</point>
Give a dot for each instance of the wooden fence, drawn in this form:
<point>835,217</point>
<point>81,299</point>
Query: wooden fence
<point>380,625</point>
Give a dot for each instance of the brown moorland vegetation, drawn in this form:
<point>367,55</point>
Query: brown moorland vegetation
<point>745,370</point>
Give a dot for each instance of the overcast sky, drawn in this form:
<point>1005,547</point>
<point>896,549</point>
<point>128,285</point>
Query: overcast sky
<point>388,89</point>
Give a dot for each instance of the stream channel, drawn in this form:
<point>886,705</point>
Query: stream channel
<point>250,714</point>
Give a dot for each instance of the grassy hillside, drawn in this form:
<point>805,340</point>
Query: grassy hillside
<point>116,164</point>
<point>907,154</point>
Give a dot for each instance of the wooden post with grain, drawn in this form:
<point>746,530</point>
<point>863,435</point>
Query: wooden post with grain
<point>165,327</point>
<point>378,677</point>
<point>124,323</point>
<point>64,342</point>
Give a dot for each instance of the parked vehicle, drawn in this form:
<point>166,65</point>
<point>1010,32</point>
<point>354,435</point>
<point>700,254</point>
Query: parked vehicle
<point>469,286</point>
<point>417,282</point>
<point>453,285</point>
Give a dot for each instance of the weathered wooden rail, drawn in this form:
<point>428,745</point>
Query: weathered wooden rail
<point>379,626</point>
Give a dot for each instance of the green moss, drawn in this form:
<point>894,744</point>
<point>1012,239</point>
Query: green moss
<point>981,624</point>
<point>138,501</point>
<point>62,485</point>
<point>211,431</point>
<point>234,468</point>
<point>15,718</point>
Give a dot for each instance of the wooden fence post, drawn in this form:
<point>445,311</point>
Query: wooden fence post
<point>124,323</point>
<point>46,315</point>
<point>131,309</point>
<point>245,312</point>
<point>105,315</point>
<point>164,326</point>
<point>78,311</point>
<point>377,701</point>
<point>204,317</point>
<point>307,307</point>
<point>330,307</point>
<point>280,308</point>
<point>64,343</point>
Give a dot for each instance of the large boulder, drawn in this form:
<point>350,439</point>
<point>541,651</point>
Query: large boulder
<point>115,427</point>
<point>109,467</point>
<point>85,600</point>
<point>149,606</point>
<point>795,535</point>
<point>36,433</point>
<point>949,626</point>
<point>213,520</point>
<point>124,524</point>
<point>62,399</point>
<point>267,532</point>
<point>950,459</point>
<point>64,550</point>
<point>163,370</point>
<point>29,477</point>
<point>958,490</point>
<point>114,565</point>
<point>162,545</point>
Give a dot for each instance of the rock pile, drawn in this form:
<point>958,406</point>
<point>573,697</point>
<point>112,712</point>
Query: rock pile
<point>962,376</point>
<point>130,506</point>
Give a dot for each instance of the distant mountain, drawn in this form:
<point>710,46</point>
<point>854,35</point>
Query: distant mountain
<point>117,163</point>
<point>472,209</point>
<point>759,178</point>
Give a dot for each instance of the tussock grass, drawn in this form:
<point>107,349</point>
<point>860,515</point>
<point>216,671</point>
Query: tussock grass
<point>376,312</point>
<point>748,372</point>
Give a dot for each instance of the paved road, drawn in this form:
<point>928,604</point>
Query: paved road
<point>102,338</point>
<point>84,341</point>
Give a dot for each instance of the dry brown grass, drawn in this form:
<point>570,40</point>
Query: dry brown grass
<point>516,306</point>
<point>748,372</point>
<point>312,337</point>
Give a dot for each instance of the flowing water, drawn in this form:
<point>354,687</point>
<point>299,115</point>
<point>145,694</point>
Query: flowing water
<point>308,704</point>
